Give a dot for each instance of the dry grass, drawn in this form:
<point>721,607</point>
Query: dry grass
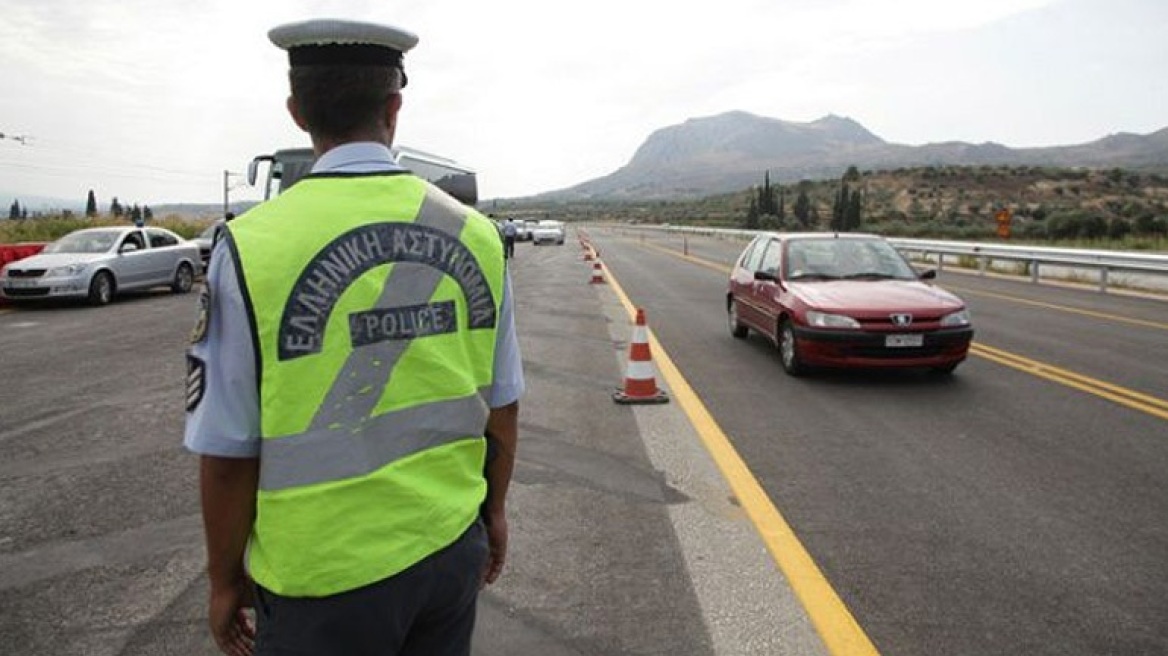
<point>52,228</point>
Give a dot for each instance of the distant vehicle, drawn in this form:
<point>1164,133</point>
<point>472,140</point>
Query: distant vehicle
<point>205,240</point>
<point>844,300</point>
<point>525,229</point>
<point>98,263</point>
<point>548,231</point>
<point>286,167</point>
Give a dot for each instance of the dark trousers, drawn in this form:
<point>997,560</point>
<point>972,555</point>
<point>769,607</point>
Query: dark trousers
<point>508,246</point>
<point>427,610</point>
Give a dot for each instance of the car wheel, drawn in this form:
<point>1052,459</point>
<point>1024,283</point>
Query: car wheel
<point>736,328</point>
<point>101,288</point>
<point>184,279</point>
<point>789,350</point>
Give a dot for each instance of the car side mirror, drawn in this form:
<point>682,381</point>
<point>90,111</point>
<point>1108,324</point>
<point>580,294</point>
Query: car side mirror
<point>765,275</point>
<point>930,274</point>
<point>128,248</point>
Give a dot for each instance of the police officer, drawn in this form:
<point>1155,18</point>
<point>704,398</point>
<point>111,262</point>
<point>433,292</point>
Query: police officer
<point>355,345</point>
<point>509,233</point>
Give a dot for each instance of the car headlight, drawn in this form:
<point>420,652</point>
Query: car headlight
<point>825,320</point>
<point>960,318</point>
<point>67,270</point>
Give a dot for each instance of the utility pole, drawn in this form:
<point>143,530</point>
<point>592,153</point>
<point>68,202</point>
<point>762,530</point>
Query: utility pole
<point>226,188</point>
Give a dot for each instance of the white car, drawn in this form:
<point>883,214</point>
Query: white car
<point>549,231</point>
<point>97,263</point>
<point>523,229</point>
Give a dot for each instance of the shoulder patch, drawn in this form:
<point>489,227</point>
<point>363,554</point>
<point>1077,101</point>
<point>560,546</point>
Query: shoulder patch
<point>199,332</point>
<point>196,381</point>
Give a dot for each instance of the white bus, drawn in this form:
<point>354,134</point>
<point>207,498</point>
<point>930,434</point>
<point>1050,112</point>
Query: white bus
<point>287,166</point>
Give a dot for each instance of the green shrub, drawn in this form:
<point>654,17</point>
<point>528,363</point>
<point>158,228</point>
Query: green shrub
<point>53,228</point>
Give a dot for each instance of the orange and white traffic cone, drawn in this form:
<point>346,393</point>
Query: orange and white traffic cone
<point>597,274</point>
<point>640,380</point>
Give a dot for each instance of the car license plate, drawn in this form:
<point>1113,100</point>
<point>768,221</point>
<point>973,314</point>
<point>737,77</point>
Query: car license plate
<point>904,341</point>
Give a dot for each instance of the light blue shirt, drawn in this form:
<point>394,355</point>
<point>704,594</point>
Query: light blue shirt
<point>226,422</point>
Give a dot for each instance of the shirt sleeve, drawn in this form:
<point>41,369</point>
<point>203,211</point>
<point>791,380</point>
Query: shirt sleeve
<point>508,383</point>
<point>222,391</point>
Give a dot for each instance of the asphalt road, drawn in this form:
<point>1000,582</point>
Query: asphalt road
<point>995,512</point>
<point>624,538</point>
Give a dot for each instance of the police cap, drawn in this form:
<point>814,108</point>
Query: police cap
<point>342,42</point>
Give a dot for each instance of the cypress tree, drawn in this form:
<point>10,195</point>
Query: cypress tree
<point>766,197</point>
<point>91,205</point>
<point>839,209</point>
<point>802,209</point>
<point>855,207</point>
<point>752,214</point>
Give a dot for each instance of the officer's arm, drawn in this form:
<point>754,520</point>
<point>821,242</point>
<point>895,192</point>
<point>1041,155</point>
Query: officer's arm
<point>503,431</point>
<point>228,488</point>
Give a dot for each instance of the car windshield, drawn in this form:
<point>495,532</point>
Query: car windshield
<point>209,233</point>
<point>86,241</point>
<point>845,259</point>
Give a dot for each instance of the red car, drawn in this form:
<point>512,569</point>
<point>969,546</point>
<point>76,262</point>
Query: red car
<point>845,300</point>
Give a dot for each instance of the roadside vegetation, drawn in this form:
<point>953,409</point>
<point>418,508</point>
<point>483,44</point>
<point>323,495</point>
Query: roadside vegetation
<point>51,228</point>
<point>1080,208</point>
<point>1071,207</point>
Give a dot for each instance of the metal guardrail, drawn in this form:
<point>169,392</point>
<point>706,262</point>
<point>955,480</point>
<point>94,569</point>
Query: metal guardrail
<point>1034,259</point>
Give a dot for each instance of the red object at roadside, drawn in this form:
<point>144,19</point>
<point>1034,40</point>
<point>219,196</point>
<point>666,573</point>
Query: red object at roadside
<point>14,252</point>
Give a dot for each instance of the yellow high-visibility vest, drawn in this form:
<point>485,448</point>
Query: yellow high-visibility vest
<point>373,301</point>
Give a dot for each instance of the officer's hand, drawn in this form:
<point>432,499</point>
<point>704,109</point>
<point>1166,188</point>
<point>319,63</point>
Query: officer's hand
<point>230,626</point>
<point>497,543</point>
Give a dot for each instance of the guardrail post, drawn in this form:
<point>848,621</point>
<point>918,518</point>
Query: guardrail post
<point>1103,280</point>
<point>983,263</point>
<point>940,262</point>
<point>685,245</point>
<point>1034,271</point>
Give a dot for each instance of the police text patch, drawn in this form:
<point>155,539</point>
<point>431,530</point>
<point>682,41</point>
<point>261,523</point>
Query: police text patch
<point>346,258</point>
<point>382,325</point>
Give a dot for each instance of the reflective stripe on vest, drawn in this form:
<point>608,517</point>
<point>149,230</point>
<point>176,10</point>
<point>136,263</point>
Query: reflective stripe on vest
<point>374,366</point>
<point>324,455</point>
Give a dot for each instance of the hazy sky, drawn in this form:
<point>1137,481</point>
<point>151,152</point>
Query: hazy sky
<point>151,101</point>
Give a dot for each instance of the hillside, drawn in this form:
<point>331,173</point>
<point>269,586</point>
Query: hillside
<point>730,151</point>
<point>1047,203</point>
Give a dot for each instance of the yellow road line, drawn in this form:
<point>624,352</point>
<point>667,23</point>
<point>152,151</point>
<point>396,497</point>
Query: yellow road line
<point>1063,308</point>
<point>1126,397</point>
<point>838,629</point>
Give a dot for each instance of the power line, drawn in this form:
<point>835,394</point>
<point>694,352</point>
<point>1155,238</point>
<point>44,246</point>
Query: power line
<point>66,160</point>
<point>16,137</point>
<point>73,170</point>
<point>71,153</point>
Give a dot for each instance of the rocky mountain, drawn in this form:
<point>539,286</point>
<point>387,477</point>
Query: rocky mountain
<point>730,152</point>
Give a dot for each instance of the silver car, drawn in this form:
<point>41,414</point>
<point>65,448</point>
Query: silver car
<point>206,241</point>
<point>552,231</point>
<point>97,263</point>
